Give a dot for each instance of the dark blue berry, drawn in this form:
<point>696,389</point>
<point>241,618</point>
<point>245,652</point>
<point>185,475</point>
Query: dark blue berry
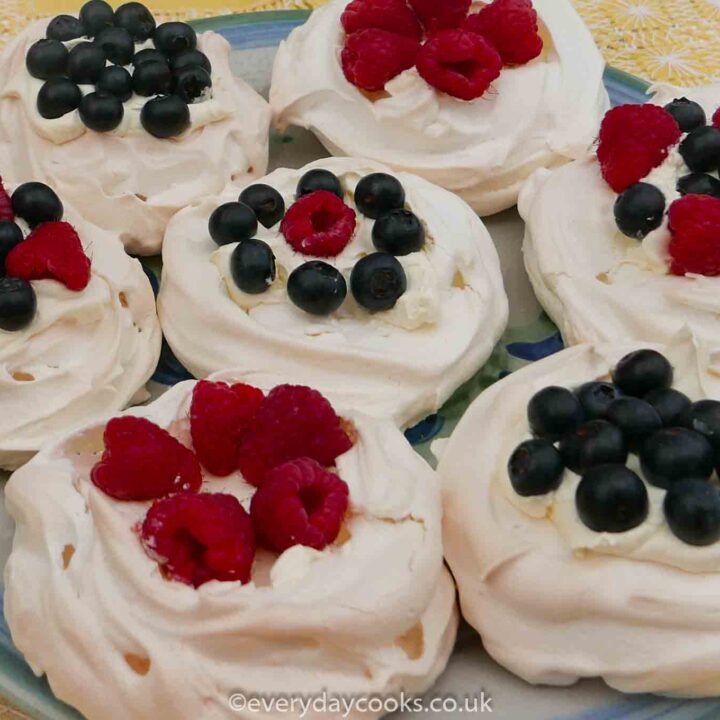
<point>554,412</point>
<point>317,288</point>
<point>692,510</point>
<point>699,184</point>
<point>65,28</point>
<point>379,193</point>
<point>597,442</point>
<point>318,179</point>
<point>595,398</point>
<point>642,371</point>
<point>10,236</point>
<point>704,417</point>
<point>95,16</point>
<point>46,59</point>
<point>398,232</point>
<point>188,59</point>
<point>117,81</point>
<point>86,63</point>
<point>266,202</point>
<point>117,44</point>
<point>688,114</point>
<point>252,265</point>
<point>673,454</point>
<point>232,222</point>
<point>611,498</point>
<point>378,281</point>
<point>192,83</point>
<point>165,116</point>
<point>637,419</point>
<point>136,19</point>
<point>36,203</point>
<point>172,38</point>
<point>535,468</point>
<point>670,404</point>
<point>152,78</point>
<point>148,55</point>
<point>639,210</point>
<point>57,97</point>
<point>701,149</point>
<point>101,111</point>
<point>17,304</point>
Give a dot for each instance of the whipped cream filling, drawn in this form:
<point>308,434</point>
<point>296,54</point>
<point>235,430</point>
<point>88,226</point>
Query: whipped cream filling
<point>128,182</point>
<point>537,115</point>
<point>635,608</point>
<point>402,363</point>
<point>84,354</point>
<point>597,284</point>
<point>372,614</point>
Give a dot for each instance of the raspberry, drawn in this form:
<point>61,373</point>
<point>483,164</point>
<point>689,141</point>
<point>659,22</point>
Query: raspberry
<point>695,226</point>
<point>511,27</point>
<point>391,15</point>
<point>6,211</point>
<point>319,224</point>
<point>142,461</point>
<point>293,422</point>
<point>371,58</point>
<point>634,139</point>
<point>441,14</point>
<point>51,251</point>
<point>219,415</point>
<point>300,503</point>
<point>459,63</point>
<point>716,118</point>
<point>198,538</point>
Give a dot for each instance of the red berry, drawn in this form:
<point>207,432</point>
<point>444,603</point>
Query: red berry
<point>695,226</point>
<point>142,461</point>
<point>391,15</point>
<point>371,58</point>
<point>459,63</point>
<point>198,538</point>
<point>6,211</point>
<point>51,251</point>
<point>441,14</point>
<point>511,27</point>
<point>219,415</point>
<point>300,503</point>
<point>716,118</point>
<point>319,224</point>
<point>634,139</point>
<point>293,422</point>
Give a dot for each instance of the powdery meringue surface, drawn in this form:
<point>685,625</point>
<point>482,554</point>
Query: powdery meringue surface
<point>403,363</point>
<point>541,114</point>
<point>131,183</point>
<point>85,354</point>
<point>597,284</point>
<point>373,613</point>
<point>553,601</point>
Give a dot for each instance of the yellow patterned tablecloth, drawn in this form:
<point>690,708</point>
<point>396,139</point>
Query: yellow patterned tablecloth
<point>676,41</point>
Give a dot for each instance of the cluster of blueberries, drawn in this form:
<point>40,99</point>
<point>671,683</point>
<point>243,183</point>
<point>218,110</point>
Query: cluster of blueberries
<point>377,281</point>
<point>35,203</point>
<point>640,209</point>
<point>173,74</point>
<point>592,430</point>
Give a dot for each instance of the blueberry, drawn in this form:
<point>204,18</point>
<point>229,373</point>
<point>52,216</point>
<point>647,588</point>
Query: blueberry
<point>611,498</point>
<point>117,44</point>
<point>669,404</point>
<point>172,38</point>
<point>188,59</point>
<point>65,28</point>
<point>192,84</point>
<point>642,371</point>
<point>117,81</point>
<point>136,19</point>
<point>318,179</point>
<point>57,97</point>
<point>699,184</point>
<point>148,55</point>
<point>10,236</point>
<point>101,111</point>
<point>688,114</point>
<point>636,418</point>
<point>639,210</point>
<point>595,443</point>
<point>17,304</point>
<point>704,417</point>
<point>554,412</point>
<point>379,193</point>
<point>317,288</point>
<point>595,398</point>
<point>398,232</point>
<point>46,59</point>
<point>378,281</point>
<point>267,203</point>
<point>701,149</point>
<point>96,15</point>
<point>232,222</point>
<point>36,203</point>
<point>672,454</point>
<point>86,63</point>
<point>692,510</point>
<point>152,78</point>
<point>252,265</point>
<point>165,116</point>
<point>535,468</point>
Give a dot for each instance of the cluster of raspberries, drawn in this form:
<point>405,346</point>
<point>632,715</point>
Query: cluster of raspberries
<point>456,52</point>
<point>635,139</point>
<point>282,444</point>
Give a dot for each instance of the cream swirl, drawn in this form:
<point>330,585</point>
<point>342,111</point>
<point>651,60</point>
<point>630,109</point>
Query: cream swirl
<point>372,614</point>
<point>541,114</point>
<point>84,355</point>
<point>128,182</point>
<point>402,363</point>
<point>525,567</point>
<point>597,284</point>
